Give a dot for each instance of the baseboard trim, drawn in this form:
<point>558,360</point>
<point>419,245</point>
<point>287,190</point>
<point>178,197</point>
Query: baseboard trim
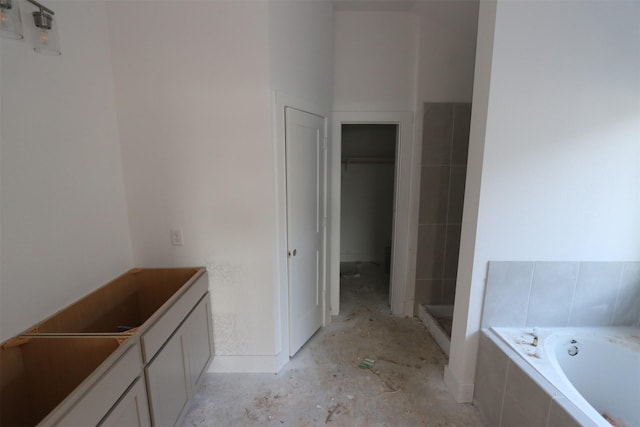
<point>248,364</point>
<point>462,393</point>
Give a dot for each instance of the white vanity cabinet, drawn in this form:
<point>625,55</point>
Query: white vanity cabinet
<point>106,392</point>
<point>199,341</point>
<point>168,382</point>
<point>131,410</point>
<point>65,381</point>
<point>173,374</point>
<point>75,369</point>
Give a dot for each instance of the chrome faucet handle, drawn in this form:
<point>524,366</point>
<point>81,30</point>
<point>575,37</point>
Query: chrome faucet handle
<point>536,334</point>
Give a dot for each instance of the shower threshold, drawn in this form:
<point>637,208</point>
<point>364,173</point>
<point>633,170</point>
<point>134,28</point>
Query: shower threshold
<point>438,320</point>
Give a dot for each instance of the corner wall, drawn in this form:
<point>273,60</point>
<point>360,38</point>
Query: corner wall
<point>63,218</point>
<point>301,76</point>
<point>375,61</point>
<point>555,175</point>
<point>194,115</point>
<point>197,125</point>
<point>447,46</point>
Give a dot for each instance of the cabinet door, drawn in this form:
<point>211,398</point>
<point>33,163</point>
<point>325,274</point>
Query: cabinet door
<point>168,381</point>
<point>200,340</point>
<point>132,410</point>
<point>92,406</point>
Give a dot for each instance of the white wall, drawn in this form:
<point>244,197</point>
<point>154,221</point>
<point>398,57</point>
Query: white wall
<point>397,58</point>
<point>375,60</point>
<point>375,70</point>
<point>62,202</point>
<point>559,175</point>
<point>196,124</point>
<point>301,73</point>
<point>301,49</point>
<point>193,109</point>
<point>447,46</point>
<point>367,211</point>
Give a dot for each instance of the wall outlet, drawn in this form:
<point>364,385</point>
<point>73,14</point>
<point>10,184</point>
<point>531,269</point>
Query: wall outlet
<point>176,238</point>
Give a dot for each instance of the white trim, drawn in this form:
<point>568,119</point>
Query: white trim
<point>280,100</point>
<point>248,364</point>
<point>462,393</point>
<point>404,229</point>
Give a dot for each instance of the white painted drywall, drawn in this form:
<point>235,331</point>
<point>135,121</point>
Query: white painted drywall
<point>375,60</point>
<point>388,60</point>
<point>560,170</point>
<point>447,45</point>
<point>62,199</point>
<point>375,70</point>
<point>367,211</point>
<point>301,49</point>
<point>395,60</point>
<point>301,74</point>
<point>196,126</point>
<point>367,190</point>
<point>193,112</point>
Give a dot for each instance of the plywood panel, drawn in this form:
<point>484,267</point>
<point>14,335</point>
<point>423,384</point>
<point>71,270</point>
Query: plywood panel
<point>39,373</point>
<point>129,301</point>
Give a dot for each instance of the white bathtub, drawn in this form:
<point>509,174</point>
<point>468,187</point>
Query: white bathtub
<point>597,369</point>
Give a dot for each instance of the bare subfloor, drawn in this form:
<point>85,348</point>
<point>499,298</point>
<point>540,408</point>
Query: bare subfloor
<point>323,385</point>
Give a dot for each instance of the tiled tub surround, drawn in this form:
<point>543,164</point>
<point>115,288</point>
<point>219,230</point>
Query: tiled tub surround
<point>518,384</point>
<point>518,294</point>
<point>511,392</point>
<point>559,294</point>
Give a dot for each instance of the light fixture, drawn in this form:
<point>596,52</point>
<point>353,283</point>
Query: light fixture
<point>10,22</point>
<point>45,32</point>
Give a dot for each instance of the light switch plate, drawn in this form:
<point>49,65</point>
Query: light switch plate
<point>176,238</point>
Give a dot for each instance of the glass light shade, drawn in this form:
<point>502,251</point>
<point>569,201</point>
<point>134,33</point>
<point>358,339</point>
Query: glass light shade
<point>45,34</point>
<point>10,22</point>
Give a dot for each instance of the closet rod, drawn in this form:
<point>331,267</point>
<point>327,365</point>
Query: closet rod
<point>375,160</point>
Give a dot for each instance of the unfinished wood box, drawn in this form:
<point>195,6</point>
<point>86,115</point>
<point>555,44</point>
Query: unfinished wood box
<point>40,374</point>
<point>110,357</point>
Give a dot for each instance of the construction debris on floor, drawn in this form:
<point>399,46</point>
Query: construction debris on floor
<point>367,368</point>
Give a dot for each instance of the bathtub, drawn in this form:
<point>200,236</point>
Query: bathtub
<point>597,369</point>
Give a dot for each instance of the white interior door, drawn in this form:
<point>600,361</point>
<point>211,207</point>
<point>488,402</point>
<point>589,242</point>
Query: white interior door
<point>306,157</point>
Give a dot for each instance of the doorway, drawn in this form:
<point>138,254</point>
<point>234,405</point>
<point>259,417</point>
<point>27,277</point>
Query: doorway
<point>404,224</point>
<point>368,154</point>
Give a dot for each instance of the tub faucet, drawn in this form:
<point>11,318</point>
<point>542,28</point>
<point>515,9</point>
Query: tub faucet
<point>535,337</point>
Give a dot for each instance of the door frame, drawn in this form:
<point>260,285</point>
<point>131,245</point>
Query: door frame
<point>405,208</point>
<point>281,100</point>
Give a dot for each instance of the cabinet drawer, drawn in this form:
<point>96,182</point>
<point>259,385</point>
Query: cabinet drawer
<point>93,406</point>
<point>153,338</point>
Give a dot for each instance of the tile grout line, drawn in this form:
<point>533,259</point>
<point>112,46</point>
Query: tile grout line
<point>573,293</point>
<point>618,292</point>
<point>549,411</point>
<point>504,392</point>
<point>533,274</point>
<point>446,228</point>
